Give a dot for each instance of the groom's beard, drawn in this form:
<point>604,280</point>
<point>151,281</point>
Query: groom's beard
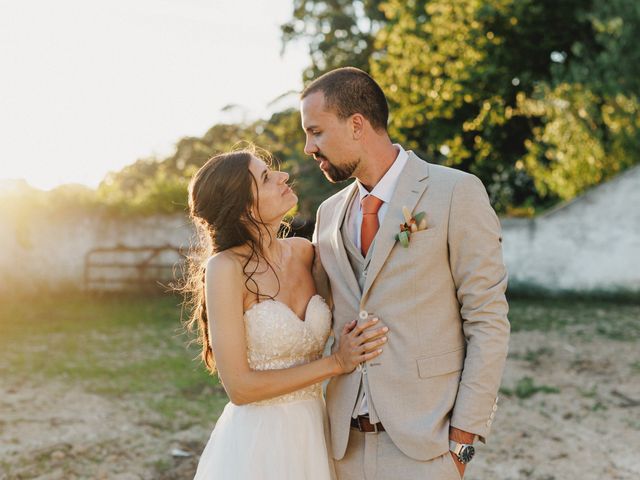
<point>338,174</point>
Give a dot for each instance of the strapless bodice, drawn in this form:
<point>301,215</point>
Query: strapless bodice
<point>277,338</point>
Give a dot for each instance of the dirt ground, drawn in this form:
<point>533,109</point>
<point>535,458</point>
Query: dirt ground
<point>569,410</point>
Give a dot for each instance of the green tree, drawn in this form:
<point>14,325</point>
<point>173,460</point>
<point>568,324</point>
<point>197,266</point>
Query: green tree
<point>590,109</point>
<point>339,32</point>
<point>160,185</point>
<point>539,98</point>
<point>453,72</point>
<point>152,185</point>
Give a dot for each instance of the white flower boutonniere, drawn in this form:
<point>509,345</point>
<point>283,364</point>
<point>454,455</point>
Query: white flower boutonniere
<point>410,225</point>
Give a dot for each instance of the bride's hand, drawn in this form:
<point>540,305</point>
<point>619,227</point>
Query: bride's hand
<point>356,345</point>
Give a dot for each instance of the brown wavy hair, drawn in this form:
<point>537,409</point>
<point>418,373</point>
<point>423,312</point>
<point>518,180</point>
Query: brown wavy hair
<point>221,202</point>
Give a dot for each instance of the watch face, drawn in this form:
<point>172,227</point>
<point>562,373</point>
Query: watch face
<point>467,453</point>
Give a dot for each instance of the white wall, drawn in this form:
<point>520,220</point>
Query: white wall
<point>50,252</point>
<point>590,243</point>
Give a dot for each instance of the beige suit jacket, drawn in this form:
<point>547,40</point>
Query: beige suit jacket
<point>443,299</point>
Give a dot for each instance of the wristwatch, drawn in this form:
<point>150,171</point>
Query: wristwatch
<point>464,451</point>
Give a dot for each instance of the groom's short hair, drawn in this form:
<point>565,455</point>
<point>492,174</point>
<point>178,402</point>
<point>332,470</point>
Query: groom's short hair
<point>350,90</point>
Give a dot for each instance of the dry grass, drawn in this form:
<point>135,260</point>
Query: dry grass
<point>106,388</point>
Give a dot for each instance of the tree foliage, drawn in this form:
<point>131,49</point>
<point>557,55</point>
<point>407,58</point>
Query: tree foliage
<point>454,72</point>
<point>160,185</point>
<point>590,111</point>
<point>338,32</point>
<point>539,98</point>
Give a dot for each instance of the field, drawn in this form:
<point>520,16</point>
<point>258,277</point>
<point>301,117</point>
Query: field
<point>109,389</point>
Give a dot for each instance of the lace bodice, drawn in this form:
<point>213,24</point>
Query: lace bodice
<point>277,338</point>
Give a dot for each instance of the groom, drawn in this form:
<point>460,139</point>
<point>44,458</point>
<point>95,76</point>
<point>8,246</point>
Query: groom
<point>414,411</point>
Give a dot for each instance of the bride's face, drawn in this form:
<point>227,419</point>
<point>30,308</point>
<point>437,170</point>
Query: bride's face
<point>274,197</point>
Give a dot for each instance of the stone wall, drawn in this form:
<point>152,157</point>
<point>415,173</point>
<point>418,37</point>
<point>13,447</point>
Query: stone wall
<point>50,253</point>
<point>590,243</point>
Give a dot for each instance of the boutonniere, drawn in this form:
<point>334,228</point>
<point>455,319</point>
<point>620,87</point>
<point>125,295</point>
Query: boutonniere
<point>410,225</point>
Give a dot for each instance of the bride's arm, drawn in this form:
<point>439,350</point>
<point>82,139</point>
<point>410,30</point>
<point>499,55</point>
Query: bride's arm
<point>228,341</point>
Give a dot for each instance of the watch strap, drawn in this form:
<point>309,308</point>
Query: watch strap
<point>455,446</point>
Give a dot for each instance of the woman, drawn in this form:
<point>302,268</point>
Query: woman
<point>265,324</point>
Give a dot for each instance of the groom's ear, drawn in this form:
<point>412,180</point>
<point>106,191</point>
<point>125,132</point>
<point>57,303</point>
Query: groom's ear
<point>357,125</point>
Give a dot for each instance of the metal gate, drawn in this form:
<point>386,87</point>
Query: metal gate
<point>123,268</point>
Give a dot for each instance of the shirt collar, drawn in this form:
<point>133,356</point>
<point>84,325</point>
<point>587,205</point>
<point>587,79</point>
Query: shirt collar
<point>387,184</point>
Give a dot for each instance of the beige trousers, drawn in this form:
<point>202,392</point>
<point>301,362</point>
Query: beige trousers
<point>373,456</point>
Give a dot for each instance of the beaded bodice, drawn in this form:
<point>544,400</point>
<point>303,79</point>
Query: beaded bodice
<point>277,338</point>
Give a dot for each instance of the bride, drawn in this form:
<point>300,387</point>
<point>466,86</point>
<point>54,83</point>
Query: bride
<point>263,327</point>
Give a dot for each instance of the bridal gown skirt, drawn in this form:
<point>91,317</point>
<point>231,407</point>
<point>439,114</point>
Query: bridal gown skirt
<point>285,441</point>
<point>285,437</point>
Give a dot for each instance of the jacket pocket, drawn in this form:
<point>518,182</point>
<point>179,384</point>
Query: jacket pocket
<point>420,234</point>
<point>441,364</point>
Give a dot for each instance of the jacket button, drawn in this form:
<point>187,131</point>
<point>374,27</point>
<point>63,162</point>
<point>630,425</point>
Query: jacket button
<point>495,407</point>
<point>363,314</point>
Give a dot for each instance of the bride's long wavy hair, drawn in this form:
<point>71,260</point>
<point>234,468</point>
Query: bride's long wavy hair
<point>221,202</point>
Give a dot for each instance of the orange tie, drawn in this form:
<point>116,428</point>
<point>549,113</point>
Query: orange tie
<point>370,207</point>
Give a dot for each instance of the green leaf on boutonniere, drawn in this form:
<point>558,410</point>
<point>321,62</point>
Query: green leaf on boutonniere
<point>403,238</point>
<point>419,216</point>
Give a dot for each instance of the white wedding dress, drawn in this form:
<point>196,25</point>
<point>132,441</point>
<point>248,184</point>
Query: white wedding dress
<point>282,438</point>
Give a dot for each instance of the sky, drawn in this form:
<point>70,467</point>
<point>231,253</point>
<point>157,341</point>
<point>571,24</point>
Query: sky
<point>89,86</point>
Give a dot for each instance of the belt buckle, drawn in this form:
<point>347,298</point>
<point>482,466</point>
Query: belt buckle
<point>374,425</point>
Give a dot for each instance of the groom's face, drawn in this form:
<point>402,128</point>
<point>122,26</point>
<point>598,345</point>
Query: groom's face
<point>329,139</point>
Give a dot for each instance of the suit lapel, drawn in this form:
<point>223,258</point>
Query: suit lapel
<point>411,185</point>
<point>338,245</point>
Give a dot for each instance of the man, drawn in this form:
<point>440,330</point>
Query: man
<point>414,411</point>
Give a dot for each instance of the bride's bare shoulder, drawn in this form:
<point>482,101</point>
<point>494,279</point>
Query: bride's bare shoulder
<point>225,262</point>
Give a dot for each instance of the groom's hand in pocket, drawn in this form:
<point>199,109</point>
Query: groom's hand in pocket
<point>460,436</point>
<point>359,343</point>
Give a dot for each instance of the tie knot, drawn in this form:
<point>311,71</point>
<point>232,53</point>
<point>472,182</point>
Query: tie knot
<point>371,205</point>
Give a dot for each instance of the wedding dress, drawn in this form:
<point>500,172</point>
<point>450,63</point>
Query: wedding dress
<point>282,438</point>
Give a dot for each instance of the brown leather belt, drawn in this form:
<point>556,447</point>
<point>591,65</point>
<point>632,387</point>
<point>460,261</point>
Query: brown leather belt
<point>362,423</point>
